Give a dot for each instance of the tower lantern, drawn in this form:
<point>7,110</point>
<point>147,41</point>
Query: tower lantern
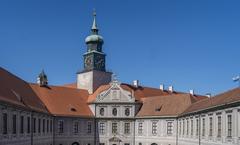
<point>94,73</point>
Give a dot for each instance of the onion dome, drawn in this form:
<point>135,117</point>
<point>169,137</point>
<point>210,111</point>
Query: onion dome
<point>94,37</point>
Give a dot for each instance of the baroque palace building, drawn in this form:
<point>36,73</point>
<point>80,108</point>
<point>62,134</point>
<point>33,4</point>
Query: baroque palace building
<point>99,110</point>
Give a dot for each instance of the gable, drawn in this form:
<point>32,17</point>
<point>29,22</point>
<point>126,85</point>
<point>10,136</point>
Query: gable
<point>115,94</point>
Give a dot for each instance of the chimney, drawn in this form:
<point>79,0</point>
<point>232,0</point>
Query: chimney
<point>161,87</point>
<point>170,89</point>
<point>191,92</point>
<point>136,83</point>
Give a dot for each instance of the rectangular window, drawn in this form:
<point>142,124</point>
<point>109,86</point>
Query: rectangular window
<point>43,126</point>
<point>89,127</point>
<point>47,126</point>
<point>169,128</point>
<point>154,128</point>
<point>14,124</point>
<point>60,126</point>
<point>28,125</point>
<point>22,124</point>
<point>114,127</point>
<point>183,127</point>
<point>180,126</point>
<point>34,125</point>
<point>140,127</point>
<point>191,127</point>
<point>75,127</point>
<point>5,123</point>
<point>127,128</point>
<point>219,128</point>
<point>197,127</point>
<point>51,126</point>
<point>102,127</point>
<point>210,126</point>
<point>187,126</point>
<point>39,125</point>
<point>203,127</point>
<point>229,125</point>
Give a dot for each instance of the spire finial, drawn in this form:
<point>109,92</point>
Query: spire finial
<point>94,25</point>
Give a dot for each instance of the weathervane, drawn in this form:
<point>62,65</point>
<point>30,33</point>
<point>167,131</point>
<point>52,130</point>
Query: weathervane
<point>236,79</point>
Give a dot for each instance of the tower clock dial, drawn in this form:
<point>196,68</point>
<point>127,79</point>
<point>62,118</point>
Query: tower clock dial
<point>88,61</point>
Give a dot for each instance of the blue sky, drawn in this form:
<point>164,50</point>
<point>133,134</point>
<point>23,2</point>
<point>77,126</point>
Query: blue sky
<point>188,44</point>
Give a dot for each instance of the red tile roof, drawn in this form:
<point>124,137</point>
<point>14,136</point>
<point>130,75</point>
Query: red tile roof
<point>63,101</point>
<point>168,105</point>
<point>218,100</point>
<point>18,92</point>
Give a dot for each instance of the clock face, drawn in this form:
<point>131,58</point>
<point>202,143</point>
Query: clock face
<point>88,61</point>
<point>99,62</point>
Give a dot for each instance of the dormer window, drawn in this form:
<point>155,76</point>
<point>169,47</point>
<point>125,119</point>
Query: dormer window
<point>127,112</point>
<point>114,111</point>
<point>101,111</point>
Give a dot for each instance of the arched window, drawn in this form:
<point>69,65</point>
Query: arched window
<point>75,143</point>
<point>127,111</point>
<point>114,111</point>
<point>101,111</point>
<point>154,144</point>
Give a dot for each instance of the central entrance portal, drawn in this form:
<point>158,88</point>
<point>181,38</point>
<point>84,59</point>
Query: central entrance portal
<point>115,141</point>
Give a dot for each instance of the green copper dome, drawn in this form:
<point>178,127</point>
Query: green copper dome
<point>94,38</point>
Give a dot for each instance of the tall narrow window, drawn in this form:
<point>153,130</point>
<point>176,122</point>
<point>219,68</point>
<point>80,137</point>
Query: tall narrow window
<point>75,127</point>
<point>210,126</point>
<point>229,125</point>
<point>203,127</point>
<point>22,124</point>
<point>126,127</point>
<point>191,127</point>
<point>60,126</point>
<point>43,126</point>
<point>89,127</point>
<point>154,128</point>
<point>140,127</point>
<point>39,125</point>
<point>114,127</point>
<point>197,127</point>
<point>47,126</point>
<point>28,125</point>
<point>14,124</point>
<point>5,123</point>
<point>169,128</point>
<point>187,126</point>
<point>180,128</point>
<point>51,125</point>
<point>34,125</point>
<point>183,127</point>
<point>102,127</point>
<point>219,128</point>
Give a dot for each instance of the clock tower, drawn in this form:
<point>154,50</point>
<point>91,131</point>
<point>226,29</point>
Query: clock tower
<point>94,73</point>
